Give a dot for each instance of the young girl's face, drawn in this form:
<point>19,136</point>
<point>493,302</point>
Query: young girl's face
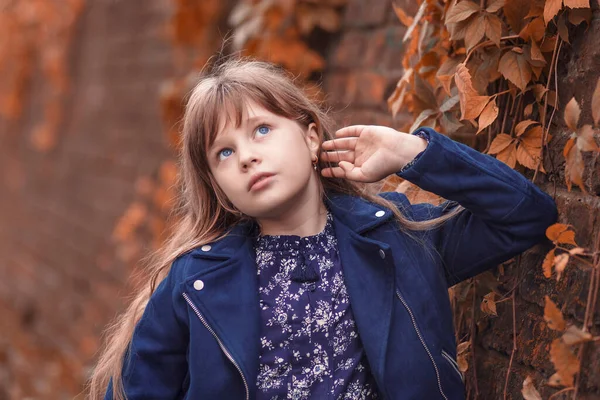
<point>265,143</point>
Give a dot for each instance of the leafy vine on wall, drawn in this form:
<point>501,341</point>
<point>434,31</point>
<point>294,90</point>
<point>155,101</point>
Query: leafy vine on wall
<point>490,68</point>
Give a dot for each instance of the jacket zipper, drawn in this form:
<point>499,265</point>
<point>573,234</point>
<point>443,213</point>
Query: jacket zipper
<point>453,363</point>
<point>412,317</point>
<point>187,299</point>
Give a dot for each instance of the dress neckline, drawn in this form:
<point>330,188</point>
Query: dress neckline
<point>294,242</point>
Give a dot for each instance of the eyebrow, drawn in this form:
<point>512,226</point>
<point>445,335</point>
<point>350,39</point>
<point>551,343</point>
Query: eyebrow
<point>248,121</point>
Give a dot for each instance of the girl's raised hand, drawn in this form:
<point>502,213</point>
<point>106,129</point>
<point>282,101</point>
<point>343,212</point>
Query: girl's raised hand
<point>369,153</point>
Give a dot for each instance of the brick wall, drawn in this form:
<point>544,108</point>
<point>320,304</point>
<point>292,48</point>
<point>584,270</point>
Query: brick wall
<point>60,282</point>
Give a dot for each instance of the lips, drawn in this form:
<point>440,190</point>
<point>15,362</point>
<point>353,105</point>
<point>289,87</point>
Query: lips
<point>257,177</point>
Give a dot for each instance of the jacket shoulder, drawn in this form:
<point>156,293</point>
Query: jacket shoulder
<point>182,267</point>
<point>417,211</point>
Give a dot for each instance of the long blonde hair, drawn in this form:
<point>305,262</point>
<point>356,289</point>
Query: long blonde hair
<point>204,213</point>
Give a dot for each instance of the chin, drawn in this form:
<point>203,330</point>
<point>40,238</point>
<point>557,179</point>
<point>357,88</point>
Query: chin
<point>272,204</point>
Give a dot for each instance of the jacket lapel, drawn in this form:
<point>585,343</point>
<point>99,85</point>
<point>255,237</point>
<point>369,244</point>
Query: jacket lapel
<point>369,278</point>
<point>228,299</point>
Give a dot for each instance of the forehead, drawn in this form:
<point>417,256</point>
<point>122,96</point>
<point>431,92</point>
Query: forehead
<point>239,117</point>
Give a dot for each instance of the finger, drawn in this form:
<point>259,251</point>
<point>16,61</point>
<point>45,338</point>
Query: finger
<point>340,144</point>
<point>337,156</point>
<point>350,131</point>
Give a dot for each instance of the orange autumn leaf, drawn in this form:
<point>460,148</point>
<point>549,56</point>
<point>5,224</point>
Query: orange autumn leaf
<point>529,151</point>
<point>565,363</point>
<point>493,28</point>
<point>461,12</point>
<point>566,237</point>
<point>528,157</point>
<point>494,5</point>
<point>553,231</point>
<point>500,142</point>
<point>534,30</point>
<point>515,12</point>
<point>551,8</point>
<point>475,30</point>
<point>536,53</point>
<point>533,137</point>
<point>577,3</point>
<point>548,263</point>
<point>488,305</point>
<point>514,67</point>
<point>471,103</point>
<point>509,155</point>
<point>488,115</point>
<point>523,125</point>
<point>458,30</point>
<point>553,316</point>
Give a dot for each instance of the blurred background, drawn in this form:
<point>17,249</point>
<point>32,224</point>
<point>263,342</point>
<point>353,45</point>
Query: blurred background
<point>91,92</point>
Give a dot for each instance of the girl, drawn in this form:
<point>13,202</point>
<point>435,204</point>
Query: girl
<point>287,279</point>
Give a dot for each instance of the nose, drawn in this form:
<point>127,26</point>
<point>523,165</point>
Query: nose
<point>247,156</point>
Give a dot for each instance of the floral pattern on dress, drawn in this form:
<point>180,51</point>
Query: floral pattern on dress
<point>310,347</point>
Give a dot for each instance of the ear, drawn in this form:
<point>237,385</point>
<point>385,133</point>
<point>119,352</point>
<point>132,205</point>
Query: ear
<point>313,141</point>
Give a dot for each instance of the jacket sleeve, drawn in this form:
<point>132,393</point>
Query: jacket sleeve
<point>504,214</point>
<point>155,366</point>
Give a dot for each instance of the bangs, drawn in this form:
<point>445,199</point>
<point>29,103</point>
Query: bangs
<point>227,106</point>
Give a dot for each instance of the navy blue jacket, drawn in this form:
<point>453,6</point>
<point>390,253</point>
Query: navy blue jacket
<point>199,335</point>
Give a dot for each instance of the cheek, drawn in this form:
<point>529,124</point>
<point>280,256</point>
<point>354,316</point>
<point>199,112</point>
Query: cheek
<point>225,183</point>
<point>296,158</point>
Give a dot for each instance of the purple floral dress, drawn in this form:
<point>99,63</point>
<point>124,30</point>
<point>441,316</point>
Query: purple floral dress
<point>310,348</point>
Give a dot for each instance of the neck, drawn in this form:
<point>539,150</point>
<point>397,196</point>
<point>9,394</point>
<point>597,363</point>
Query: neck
<point>306,217</point>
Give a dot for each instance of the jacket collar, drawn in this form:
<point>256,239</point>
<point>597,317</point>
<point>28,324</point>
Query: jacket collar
<point>356,213</point>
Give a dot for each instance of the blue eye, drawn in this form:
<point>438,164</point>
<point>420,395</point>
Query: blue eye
<point>222,152</point>
<point>263,129</point>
